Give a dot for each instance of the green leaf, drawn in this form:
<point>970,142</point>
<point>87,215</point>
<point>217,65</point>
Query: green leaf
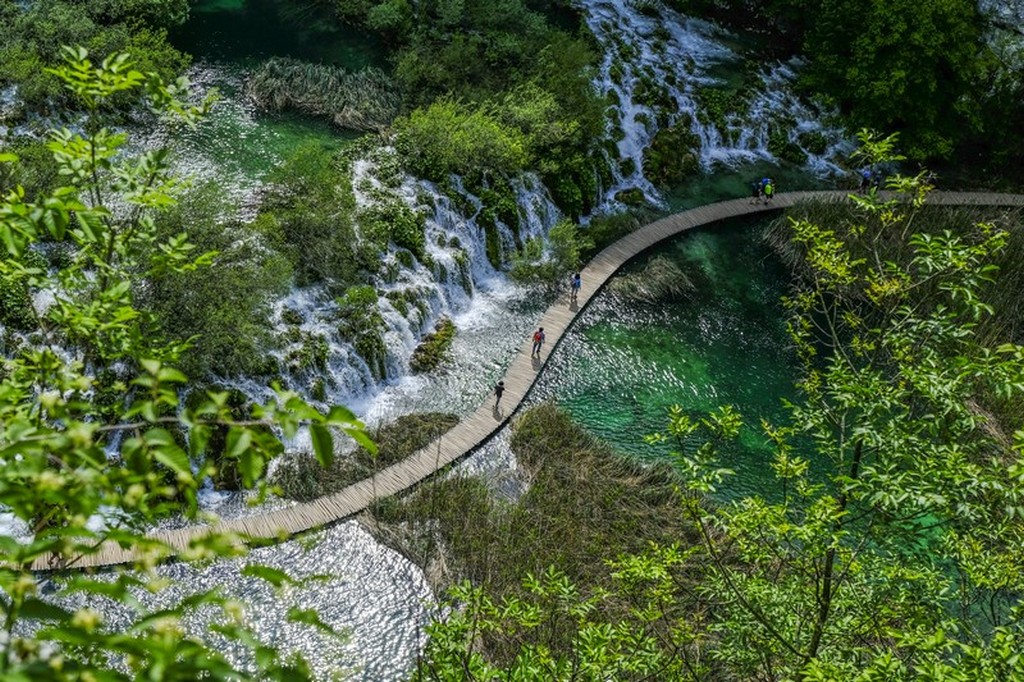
<point>340,415</point>
<point>175,459</point>
<point>36,609</point>
<point>310,617</point>
<point>274,576</point>
<point>323,444</point>
<point>360,436</point>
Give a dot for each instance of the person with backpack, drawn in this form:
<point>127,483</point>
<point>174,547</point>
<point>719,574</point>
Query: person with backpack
<point>769,191</point>
<point>538,341</point>
<point>755,193</point>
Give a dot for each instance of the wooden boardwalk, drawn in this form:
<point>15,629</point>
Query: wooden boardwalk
<point>480,426</point>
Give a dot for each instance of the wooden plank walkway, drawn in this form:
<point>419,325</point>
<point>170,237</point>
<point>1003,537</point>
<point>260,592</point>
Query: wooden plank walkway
<point>480,426</point>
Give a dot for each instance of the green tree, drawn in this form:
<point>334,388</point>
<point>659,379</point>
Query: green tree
<point>907,65</point>
<point>58,430</point>
<point>550,262</point>
<point>890,546</point>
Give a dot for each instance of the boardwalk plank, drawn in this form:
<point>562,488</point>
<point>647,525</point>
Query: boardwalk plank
<point>476,429</point>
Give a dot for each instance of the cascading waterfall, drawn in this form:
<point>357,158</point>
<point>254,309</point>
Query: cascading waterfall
<point>459,281</point>
<point>656,65</point>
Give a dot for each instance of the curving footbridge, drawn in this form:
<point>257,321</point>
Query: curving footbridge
<point>480,426</point>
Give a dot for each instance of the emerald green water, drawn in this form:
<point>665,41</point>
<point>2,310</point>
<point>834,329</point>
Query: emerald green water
<point>245,32</point>
<point>626,362</point>
<point>236,145</point>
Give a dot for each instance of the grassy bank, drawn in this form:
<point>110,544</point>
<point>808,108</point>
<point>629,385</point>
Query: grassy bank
<point>584,506</point>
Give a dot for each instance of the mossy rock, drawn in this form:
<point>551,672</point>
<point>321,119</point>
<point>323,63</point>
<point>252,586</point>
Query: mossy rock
<point>318,390</point>
<point>814,141</point>
<point>291,316</point>
<point>672,155</point>
<point>361,324</point>
<point>406,258</point>
<point>715,105</point>
<point>492,240</point>
<point>310,355</point>
<point>632,196</point>
<point>780,146</point>
<point>434,348</point>
<point>462,262</point>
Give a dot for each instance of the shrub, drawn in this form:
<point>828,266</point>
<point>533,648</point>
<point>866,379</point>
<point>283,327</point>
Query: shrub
<point>452,137</point>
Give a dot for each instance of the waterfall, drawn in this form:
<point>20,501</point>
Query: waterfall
<point>656,66</point>
<point>455,279</point>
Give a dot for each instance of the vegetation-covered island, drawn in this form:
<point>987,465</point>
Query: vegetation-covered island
<point>253,253</point>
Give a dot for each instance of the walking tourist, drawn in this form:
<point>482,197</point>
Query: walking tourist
<point>538,341</point>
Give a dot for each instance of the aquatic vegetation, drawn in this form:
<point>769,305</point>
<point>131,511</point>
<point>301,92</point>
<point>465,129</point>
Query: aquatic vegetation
<point>591,503</point>
<point>435,347</point>
<point>364,100</point>
<point>660,279</point>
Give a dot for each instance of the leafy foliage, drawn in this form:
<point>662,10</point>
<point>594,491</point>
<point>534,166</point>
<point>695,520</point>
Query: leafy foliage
<point>889,547</point>
<point>56,429</point>
<point>550,264</point>
<point>498,89</point>
<point>307,217</point>
<point>36,32</point>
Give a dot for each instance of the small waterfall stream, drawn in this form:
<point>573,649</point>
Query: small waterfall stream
<point>656,65</point>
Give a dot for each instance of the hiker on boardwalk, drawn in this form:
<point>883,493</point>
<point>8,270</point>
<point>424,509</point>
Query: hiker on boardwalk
<point>769,191</point>
<point>498,390</point>
<point>866,176</point>
<point>538,341</point>
<point>755,193</point>
<point>574,286</point>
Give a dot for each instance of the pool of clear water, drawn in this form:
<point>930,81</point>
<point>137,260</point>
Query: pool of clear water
<point>626,362</point>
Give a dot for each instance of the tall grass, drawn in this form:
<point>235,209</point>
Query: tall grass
<point>366,100</point>
<point>660,280</point>
<point>584,504</point>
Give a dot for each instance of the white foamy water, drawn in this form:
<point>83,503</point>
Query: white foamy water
<point>655,61</point>
<point>380,600</point>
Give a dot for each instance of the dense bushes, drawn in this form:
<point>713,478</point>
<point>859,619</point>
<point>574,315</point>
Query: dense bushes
<point>307,216</point>
<point>32,37</point>
<point>224,308</point>
<point>498,88</point>
<point>917,67</point>
<point>449,136</point>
